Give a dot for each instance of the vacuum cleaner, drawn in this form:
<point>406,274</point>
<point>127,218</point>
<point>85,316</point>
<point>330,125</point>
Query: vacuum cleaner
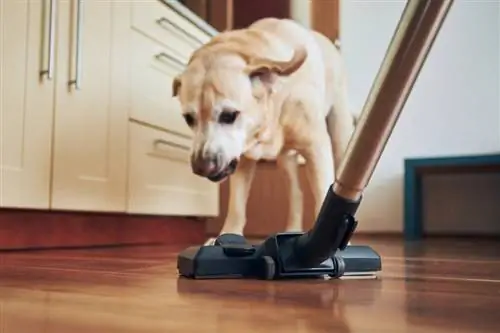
<point>323,251</point>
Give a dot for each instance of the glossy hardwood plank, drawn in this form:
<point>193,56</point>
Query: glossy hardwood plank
<point>436,286</point>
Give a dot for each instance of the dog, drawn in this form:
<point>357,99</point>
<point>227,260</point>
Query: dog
<point>274,90</point>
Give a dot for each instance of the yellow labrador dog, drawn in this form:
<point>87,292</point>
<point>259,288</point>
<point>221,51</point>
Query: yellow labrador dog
<point>270,91</point>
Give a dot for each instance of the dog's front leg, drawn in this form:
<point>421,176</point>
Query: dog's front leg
<point>239,190</point>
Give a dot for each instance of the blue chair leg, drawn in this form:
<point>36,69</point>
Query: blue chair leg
<point>412,204</point>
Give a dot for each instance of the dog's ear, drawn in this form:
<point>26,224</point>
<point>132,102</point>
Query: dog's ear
<point>267,70</point>
<point>176,85</point>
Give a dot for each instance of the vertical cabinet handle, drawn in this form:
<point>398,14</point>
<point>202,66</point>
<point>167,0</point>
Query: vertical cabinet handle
<point>52,27</point>
<point>79,22</point>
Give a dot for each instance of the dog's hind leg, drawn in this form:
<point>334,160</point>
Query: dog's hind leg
<point>340,123</point>
<point>312,140</point>
<point>319,168</point>
<point>289,163</point>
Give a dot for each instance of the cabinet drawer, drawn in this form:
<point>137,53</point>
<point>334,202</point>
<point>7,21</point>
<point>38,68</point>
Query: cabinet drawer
<point>156,20</point>
<point>152,71</point>
<point>160,177</point>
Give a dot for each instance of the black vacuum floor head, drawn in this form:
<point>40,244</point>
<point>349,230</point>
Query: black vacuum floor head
<point>233,257</point>
<point>323,251</point>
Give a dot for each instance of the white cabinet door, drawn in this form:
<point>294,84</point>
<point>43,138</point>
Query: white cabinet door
<point>91,110</point>
<point>26,102</point>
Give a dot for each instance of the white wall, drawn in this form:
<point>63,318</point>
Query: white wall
<point>454,107</point>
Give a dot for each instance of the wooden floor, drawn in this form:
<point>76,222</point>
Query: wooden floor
<point>439,286</point>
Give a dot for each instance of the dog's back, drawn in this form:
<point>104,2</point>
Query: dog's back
<point>323,61</point>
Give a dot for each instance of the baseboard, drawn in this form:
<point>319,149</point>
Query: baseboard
<point>454,235</point>
<point>33,229</point>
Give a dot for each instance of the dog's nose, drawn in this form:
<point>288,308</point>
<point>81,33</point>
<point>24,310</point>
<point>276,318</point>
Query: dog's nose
<point>204,166</point>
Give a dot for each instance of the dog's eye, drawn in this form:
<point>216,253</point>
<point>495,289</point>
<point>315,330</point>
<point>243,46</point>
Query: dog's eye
<point>189,118</point>
<point>228,117</point>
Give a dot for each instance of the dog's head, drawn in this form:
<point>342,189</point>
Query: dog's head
<point>224,94</point>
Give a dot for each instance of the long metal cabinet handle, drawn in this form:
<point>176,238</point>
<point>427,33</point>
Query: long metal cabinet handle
<point>170,144</point>
<point>163,55</point>
<point>182,32</point>
<point>79,22</point>
<point>52,28</point>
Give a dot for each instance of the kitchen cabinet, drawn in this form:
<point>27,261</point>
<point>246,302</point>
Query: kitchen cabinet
<point>160,180</point>
<point>88,122</point>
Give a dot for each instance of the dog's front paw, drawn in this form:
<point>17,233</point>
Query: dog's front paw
<point>210,242</point>
<point>294,229</point>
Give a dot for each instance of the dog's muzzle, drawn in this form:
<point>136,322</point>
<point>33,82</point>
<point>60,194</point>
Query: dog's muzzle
<point>212,168</point>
